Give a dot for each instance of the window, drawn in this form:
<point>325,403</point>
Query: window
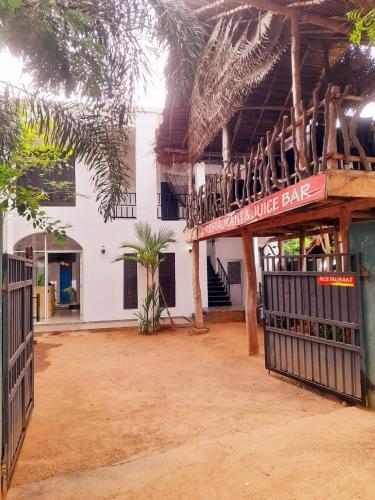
<point>168,203</point>
<point>234,272</point>
<point>167,278</point>
<point>130,284</point>
<point>56,197</point>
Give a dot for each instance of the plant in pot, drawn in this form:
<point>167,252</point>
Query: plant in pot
<point>147,253</point>
<point>72,297</point>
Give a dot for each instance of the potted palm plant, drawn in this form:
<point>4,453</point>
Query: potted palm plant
<point>147,253</point>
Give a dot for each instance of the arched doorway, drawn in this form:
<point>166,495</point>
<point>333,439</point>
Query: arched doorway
<point>57,278</point>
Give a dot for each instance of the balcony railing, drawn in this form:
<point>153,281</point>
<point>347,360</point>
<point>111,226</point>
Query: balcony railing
<point>295,149</point>
<point>171,207</point>
<point>127,210</point>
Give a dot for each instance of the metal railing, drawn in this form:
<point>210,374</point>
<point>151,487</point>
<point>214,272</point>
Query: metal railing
<point>223,276</point>
<point>127,210</point>
<point>170,207</point>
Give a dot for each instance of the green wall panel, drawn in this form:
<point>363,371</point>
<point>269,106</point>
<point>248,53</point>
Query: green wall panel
<point>362,240</point>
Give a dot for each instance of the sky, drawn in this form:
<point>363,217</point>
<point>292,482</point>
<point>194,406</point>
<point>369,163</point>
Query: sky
<point>153,97</point>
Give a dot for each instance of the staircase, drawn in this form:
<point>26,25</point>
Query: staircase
<point>217,293</point>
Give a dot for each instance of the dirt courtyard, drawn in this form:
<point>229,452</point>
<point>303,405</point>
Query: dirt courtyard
<point>173,416</point>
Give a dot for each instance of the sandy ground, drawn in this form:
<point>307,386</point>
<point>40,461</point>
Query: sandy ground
<point>119,415</point>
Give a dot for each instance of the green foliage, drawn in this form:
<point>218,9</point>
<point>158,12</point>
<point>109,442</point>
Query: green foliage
<point>291,247</point>
<point>147,254</point>
<point>363,25</point>
<point>29,151</point>
<point>149,317</point>
<point>41,278</point>
<point>101,50</point>
<point>151,244</point>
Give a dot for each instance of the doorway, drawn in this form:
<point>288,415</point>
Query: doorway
<point>57,283</point>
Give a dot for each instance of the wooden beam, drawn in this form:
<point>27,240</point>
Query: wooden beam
<point>251,293</point>
<point>315,19</point>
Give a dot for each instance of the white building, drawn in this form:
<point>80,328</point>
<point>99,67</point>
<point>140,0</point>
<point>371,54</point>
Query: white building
<point>84,282</point>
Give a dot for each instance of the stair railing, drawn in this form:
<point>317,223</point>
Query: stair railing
<point>223,276</point>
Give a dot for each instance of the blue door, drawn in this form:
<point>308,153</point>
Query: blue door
<point>65,282</point>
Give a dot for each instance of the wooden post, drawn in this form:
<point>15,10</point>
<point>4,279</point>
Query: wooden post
<point>302,249</point>
<point>198,312</point>
<point>345,221</point>
<point>226,146</point>
<point>296,84</point>
<point>251,293</point>
<point>190,186</point>
<point>296,64</point>
<point>332,131</point>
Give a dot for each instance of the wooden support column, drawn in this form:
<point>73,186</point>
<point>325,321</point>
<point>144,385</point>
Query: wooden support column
<point>296,63</point>
<point>198,311</point>
<point>226,146</point>
<point>345,221</point>
<point>251,293</point>
<point>302,249</point>
<point>296,83</point>
<point>332,131</point>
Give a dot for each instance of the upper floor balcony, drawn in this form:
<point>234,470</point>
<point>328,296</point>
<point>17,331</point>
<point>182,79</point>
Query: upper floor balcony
<point>323,156</point>
<point>170,206</point>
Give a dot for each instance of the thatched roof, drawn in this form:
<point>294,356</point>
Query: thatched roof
<point>243,76</point>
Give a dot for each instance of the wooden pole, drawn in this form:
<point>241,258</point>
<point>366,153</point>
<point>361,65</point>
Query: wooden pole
<point>332,163</point>
<point>345,221</point>
<point>296,64</point>
<point>198,312</point>
<point>297,87</point>
<point>226,146</point>
<point>302,249</point>
<point>251,293</point>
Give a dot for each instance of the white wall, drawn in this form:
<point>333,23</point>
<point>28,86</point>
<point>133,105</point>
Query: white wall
<point>102,279</point>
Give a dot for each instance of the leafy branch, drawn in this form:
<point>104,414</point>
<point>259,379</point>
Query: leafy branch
<point>363,25</point>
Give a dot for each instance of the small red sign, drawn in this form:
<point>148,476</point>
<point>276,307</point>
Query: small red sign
<point>337,280</point>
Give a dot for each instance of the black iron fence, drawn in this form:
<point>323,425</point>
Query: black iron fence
<point>18,358</point>
<point>313,321</point>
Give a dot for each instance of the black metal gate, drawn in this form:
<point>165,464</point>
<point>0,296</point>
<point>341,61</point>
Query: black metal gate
<point>18,358</point>
<point>313,321</point>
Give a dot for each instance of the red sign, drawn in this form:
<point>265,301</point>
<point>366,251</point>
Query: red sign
<point>337,280</point>
<point>304,192</point>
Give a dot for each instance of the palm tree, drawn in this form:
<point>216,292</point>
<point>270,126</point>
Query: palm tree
<point>147,253</point>
<point>99,50</point>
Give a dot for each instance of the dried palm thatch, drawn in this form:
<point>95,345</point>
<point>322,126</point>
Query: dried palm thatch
<point>234,61</point>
